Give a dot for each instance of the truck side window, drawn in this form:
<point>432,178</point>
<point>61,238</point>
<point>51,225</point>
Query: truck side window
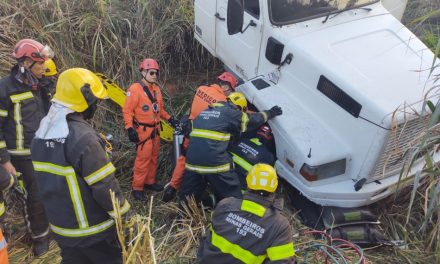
<point>252,7</point>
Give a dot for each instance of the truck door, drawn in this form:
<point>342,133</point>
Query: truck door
<point>204,15</point>
<point>240,52</point>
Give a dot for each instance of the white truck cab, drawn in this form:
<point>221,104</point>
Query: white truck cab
<point>350,78</point>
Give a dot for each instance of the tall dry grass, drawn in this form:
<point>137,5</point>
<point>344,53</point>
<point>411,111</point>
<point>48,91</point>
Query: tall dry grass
<point>112,36</point>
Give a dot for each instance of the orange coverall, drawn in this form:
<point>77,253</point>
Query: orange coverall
<point>139,113</point>
<point>205,95</point>
<point>3,249</point>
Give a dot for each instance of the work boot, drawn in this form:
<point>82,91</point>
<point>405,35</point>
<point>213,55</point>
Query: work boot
<point>154,187</point>
<point>41,246</point>
<point>169,193</point>
<point>138,195</point>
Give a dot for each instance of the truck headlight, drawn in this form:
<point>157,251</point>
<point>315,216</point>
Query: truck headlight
<point>323,171</point>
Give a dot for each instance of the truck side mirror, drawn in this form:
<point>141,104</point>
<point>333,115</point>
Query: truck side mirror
<point>235,16</point>
<point>274,51</point>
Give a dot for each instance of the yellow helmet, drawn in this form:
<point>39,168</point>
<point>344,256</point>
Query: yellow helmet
<point>262,177</point>
<point>78,88</point>
<point>51,68</point>
<point>239,100</point>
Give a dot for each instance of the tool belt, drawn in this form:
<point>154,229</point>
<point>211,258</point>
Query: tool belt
<point>137,124</point>
<point>153,134</point>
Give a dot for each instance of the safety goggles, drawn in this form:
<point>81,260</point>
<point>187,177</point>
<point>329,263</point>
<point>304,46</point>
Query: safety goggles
<point>45,54</point>
<point>152,73</point>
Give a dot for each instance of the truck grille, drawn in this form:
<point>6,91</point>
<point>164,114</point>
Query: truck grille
<point>401,138</point>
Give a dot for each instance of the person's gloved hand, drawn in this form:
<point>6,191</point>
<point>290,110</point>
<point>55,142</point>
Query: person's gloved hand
<point>173,122</point>
<point>132,135</point>
<point>274,111</point>
<point>7,179</point>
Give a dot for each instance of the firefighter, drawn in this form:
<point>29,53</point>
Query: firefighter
<point>3,249</point>
<point>204,96</point>
<point>7,181</point>
<point>142,112</point>
<point>252,229</point>
<point>47,82</point>
<point>207,159</point>
<point>75,175</point>
<point>251,150</point>
<point>21,110</point>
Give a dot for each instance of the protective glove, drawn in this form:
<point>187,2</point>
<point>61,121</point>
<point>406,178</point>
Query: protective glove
<point>132,135</point>
<point>274,111</point>
<point>7,180</point>
<point>173,122</point>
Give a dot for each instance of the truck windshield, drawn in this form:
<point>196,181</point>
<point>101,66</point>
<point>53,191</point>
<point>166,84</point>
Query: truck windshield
<point>283,12</point>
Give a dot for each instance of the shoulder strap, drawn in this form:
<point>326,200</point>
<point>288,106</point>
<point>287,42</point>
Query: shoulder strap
<point>148,93</point>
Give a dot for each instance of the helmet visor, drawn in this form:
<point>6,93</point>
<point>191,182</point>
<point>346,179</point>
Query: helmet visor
<point>45,54</point>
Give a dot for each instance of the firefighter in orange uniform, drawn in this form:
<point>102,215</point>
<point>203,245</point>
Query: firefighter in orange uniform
<point>7,181</point>
<point>205,95</point>
<point>3,249</point>
<point>142,113</point>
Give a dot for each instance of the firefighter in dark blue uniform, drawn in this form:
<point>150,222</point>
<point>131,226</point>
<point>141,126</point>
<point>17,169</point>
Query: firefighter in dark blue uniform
<point>207,159</point>
<point>253,149</point>
<point>21,110</point>
<point>250,230</point>
<point>74,174</point>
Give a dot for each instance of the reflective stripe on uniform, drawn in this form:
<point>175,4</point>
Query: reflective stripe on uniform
<point>256,141</point>
<point>2,208</point>
<point>16,99</point>
<point>53,168</point>
<point>235,250</point>
<point>18,126</point>
<point>244,122</point>
<point>72,183</point>
<point>242,162</point>
<point>281,252</point>
<point>253,208</point>
<point>2,144</point>
<point>209,134</point>
<point>75,195</point>
<point>20,97</point>
<point>19,152</point>
<point>80,232</point>
<point>100,174</point>
<point>123,209</point>
<point>208,169</point>
<point>265,116</point>
<point>3,113</point>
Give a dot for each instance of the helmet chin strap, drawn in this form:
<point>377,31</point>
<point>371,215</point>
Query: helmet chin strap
<point>32,79</point>
<point>28,75</point>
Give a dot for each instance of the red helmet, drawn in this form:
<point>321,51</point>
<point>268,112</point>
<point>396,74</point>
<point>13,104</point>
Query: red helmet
<point>148,64</point>
<point>265,132</point>
<point>228,77</point>
<point>32,49</point>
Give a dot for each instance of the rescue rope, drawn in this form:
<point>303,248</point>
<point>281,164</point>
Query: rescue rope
<point>331,250</point>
